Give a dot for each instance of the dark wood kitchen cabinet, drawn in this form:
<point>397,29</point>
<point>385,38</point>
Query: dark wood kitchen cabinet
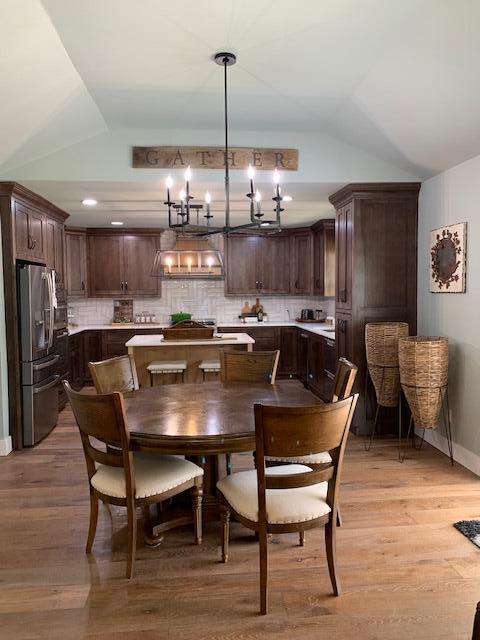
<point>301,262</point>
<point>344,256</point>
<point>23,218</point>
<point>257,264</point>
<point>30,232</point>
<point>54,248</point>
<point>376,266</point>
<point>287,365</point>
<point>76,360</point>
<point>92,352</point>
<point>76,263</point>
<point>120,264</point>
<point>324,258</point>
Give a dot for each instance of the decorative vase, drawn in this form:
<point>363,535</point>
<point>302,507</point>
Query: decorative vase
<point>381,344</point>
<point>423,365</point>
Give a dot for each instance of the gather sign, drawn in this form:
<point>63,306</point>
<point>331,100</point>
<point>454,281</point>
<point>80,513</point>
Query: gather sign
<point>213,158</point>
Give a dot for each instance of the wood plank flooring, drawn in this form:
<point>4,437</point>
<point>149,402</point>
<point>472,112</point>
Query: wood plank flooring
<point>406,572</point>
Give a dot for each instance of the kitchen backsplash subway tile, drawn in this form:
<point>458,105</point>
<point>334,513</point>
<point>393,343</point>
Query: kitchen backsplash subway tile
<point>203,299</point>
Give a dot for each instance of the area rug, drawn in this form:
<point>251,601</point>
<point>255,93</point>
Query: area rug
<point>470,529</point>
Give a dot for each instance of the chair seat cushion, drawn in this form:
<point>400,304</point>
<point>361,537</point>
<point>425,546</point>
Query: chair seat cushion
<point>283,505</point>
<point>314,458</point>
<point>209,365</point>
<point>167,365</point>
<point>153,474</point>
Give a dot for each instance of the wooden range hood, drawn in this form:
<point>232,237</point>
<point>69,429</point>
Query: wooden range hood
<point>189,258</point>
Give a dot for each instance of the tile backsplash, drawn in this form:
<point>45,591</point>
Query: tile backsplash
<point>201,298</point>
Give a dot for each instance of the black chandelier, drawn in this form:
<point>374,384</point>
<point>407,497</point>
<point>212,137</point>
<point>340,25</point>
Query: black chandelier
<point>184,215</point>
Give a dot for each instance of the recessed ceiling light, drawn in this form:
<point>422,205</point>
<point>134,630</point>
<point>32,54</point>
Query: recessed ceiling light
<point>116,223</point>
<point>287,198</point>
<point>89,202</point>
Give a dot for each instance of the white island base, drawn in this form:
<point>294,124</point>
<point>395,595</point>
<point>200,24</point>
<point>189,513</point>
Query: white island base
<point>154,348</point>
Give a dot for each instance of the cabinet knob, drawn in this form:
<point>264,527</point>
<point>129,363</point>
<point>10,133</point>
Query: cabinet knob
<point>317,283</point>
<point>296,284</point>
<point>83,285</point>
<point>126,285</point>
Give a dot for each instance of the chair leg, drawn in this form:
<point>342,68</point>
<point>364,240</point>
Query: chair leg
<point>151,379</point>
<point>197,495</point>
<point>339,518</point>
<point>301,538</point>
<point>263,570</point>
<point>330,543</point>
<point>93,522</point>
<point>132,537</point>
<point>225,519</point>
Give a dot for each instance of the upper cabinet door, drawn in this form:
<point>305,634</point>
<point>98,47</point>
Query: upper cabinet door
<point>241,264</point>
<point>301,264</point>
<point>37,231</point>
<point>22,238</point>
<point>105,265</point>
<point>324,259</point>
<point>139,254</point>
<point>60,252</point>
<point>76,263</point>
<point>30,233</point>
<point>344,257</point>
<point>273,264</point>
<point>50,243</point>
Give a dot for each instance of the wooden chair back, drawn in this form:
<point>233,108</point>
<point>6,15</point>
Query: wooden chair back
<point>115,374</point>
<point>249,366</point>
<point>344,379</point>
<point>298,431</point>
<point>102,418</point>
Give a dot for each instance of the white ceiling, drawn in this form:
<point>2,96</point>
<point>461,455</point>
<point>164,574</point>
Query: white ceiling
<point>397,80</point>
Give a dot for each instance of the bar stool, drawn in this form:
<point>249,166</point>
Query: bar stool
<point>209,366</point>
<point>171,366</point>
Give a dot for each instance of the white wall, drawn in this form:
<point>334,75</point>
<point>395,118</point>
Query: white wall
<point>5,439</point>
<point>450,197</point>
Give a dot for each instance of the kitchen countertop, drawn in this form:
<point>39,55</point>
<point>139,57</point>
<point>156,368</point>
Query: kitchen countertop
<point>320,329</point>
<point>154,340</point>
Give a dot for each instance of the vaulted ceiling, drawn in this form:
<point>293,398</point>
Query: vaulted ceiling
<point>396,80</point>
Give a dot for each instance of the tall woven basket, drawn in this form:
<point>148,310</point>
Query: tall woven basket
<point>381,344</point>
<point>424,375</point>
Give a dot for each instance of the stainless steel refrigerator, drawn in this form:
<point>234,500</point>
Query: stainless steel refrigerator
<point>38,352</point>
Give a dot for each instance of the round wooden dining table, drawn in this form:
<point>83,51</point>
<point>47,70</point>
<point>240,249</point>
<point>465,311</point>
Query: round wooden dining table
<point>205,419</point>
<point>204,422</point>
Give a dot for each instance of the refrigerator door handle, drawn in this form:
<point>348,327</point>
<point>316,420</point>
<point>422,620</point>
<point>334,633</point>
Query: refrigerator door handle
<point>44,365</point>
<point>52,311</point>
<point>49,384</point>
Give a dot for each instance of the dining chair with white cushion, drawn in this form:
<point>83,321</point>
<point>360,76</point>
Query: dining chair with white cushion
<point>123,477</point>
<point>293,497</point>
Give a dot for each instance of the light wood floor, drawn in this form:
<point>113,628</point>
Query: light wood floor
<point>406,572</point>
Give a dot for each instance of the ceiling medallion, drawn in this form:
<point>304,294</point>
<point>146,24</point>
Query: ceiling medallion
<point>184,215</point>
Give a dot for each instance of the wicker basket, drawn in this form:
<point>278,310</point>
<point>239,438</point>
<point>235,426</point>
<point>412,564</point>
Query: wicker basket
<point>424,375</point>
<point>381,343</point>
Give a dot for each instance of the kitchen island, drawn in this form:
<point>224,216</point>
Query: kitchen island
<point>149,348</point>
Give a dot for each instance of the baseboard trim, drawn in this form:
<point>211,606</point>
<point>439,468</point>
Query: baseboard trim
<point>461,455</point>
<point>5,446</point>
